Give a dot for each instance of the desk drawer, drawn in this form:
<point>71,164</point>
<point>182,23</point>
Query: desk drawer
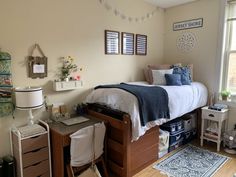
<point>37,169</point>
<point>34,143</point>
<point>35,156</point>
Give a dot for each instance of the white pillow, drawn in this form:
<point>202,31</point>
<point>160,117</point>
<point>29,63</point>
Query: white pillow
<point>159,76</point>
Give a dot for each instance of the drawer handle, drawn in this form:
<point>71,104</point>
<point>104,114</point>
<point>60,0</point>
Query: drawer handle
<point>35,137</point>
<point>36,150</point>
<point>211,115</point>
<point>178,137</point>
<point>188,135</point>
<point>36,164</point>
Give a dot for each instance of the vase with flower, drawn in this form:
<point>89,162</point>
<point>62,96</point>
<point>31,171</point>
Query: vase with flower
<point>67,68</point>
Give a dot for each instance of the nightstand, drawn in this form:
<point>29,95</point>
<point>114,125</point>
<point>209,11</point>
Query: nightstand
<point>32,153</point>
<point>208,117</point>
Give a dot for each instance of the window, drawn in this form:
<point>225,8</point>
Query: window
<point>229,76</point>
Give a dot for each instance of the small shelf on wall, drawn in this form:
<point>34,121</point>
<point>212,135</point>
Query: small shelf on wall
<point>67,85</point>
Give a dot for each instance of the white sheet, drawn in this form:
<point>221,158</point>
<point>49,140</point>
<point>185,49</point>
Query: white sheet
<point>182,99</point>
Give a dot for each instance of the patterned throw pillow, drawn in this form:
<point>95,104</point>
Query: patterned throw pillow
<point>185,74</point>
<point>159,76</point>
<point>156,67</point>
<point>173,79</point>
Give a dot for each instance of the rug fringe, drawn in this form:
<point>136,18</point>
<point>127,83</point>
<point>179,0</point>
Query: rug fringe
<point>220,166</point>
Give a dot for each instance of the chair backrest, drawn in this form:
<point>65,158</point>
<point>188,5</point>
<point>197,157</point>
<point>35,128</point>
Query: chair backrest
<point>84,143</point>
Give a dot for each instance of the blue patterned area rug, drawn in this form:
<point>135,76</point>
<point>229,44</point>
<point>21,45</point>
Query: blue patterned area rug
<point>191,161</point>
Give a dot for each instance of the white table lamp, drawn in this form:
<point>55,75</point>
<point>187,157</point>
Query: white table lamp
<point>29,98</point>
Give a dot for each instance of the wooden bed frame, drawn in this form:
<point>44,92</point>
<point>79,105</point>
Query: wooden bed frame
<point>126,158</point>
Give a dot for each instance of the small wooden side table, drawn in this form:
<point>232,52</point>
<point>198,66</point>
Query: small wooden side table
<point>217,116</point>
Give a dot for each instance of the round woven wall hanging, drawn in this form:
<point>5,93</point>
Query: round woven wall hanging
<point>186,42</point>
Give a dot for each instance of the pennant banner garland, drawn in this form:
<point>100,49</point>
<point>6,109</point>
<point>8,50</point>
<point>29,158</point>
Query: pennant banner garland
<point>123,16</point>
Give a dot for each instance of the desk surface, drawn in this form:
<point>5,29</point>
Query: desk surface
<point>60,138</point>
<point>65,130</point>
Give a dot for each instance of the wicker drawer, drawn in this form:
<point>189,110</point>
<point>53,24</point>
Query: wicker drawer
<point>34,143</point>
<point>35,156</point>
<point>37,169</point>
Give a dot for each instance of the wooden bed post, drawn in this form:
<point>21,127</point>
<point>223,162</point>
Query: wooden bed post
<point>126,148</point>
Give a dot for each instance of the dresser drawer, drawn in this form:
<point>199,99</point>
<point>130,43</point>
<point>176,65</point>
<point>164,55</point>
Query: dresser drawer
<point>34,143</point>
<point>35,156</point>
<point>213,115</point>
<point>37,169</point>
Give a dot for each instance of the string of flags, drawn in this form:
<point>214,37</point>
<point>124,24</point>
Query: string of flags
<point>123,16</point>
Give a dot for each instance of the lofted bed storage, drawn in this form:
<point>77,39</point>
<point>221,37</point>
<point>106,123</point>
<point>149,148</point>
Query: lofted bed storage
<point>131,144</point>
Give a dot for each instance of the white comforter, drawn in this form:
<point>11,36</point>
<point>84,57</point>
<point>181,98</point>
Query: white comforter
<point>182,99</point>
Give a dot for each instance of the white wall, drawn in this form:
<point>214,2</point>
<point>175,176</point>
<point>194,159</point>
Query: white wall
<point>75,28</point>
<point>205,56</point>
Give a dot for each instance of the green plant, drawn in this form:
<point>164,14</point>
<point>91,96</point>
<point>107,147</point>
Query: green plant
<point>225,93</point>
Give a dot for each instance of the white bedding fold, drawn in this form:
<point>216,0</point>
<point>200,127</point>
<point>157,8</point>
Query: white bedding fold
<point>182,99</point>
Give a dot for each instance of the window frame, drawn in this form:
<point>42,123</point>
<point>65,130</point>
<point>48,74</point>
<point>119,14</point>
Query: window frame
<point>227,47</point>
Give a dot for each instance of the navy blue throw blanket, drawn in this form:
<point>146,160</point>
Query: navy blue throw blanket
<point>153,101</point>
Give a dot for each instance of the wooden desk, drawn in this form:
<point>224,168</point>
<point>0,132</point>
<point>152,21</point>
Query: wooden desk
<point>60,140</point>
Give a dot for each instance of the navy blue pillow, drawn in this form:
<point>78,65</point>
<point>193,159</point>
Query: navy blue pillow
<point>185,74</point>
<point>173,79</point>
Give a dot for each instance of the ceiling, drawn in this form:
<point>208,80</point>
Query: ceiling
<point>168,3</point>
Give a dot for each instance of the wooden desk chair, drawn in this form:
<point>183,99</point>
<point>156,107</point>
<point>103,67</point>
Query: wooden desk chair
<point>87,148</point>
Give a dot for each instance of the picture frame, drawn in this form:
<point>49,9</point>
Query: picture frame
<point>127,43</point>
<point>112,42</point>
<point>141,44</point>
<point>37,65</point>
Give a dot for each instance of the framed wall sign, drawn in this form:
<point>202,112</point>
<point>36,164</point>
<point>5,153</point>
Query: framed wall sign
<point>112,42</point>
<point>127,45</point>
<point>195,23</point>
<point>141,44</point>
<point>37,65</point>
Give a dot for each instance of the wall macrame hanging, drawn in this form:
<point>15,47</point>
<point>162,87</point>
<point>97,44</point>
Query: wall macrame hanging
<point>6,105</point>
<point>186,42</point>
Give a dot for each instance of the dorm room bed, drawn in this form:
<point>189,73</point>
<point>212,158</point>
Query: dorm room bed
<point>130,146</point>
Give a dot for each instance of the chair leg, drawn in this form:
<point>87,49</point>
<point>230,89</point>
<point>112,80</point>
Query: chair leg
<point>69,170</point>
<point>104,168</point>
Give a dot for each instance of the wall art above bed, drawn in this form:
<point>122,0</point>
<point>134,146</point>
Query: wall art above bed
<point>141,44</point>
<point>129,43</point>
<point>186,42</point>
<point>188,24</point>
<point>112,42</point>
